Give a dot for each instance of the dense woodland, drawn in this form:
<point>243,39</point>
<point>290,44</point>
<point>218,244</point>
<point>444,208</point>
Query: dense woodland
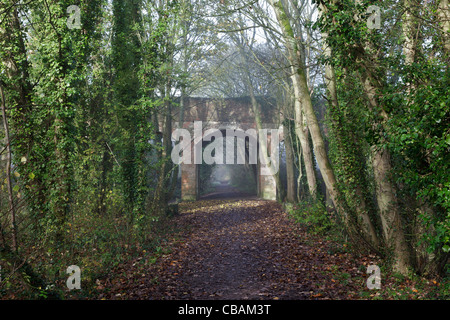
<point>86,174</point>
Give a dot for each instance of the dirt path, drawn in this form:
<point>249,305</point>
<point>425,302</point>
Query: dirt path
<point>234,253</point>
<point>242,249</point>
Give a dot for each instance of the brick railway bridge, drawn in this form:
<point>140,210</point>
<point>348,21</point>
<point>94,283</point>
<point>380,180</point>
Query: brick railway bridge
<point>223,114</point>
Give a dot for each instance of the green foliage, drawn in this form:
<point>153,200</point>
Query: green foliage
<point>313,215</point>
<point>420,138</point>
<point>413,98</point>
<point>80,108</point>
<point>349,141</point>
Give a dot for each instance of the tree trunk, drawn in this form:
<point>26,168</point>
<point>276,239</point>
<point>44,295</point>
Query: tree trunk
<point>258,120</point>
<point>409,27</point>
<point>385,191</point>
<point>290,170</point>
<point>17,70</point>
<point>443,13</point>
<point>391,221</point>
<point>425,262</point>
<point>301,129</point>
<point>263,143</point>
<point>162,189</point>
<point>12,210</point>
<point>361,209</point>
<point>389,210</point>
<point>105,168</point>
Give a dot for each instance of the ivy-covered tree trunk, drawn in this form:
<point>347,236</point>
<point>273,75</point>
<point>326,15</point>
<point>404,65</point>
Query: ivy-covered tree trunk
<point>425,262</point>
<point>169,25</point>
<point>164,176</point>
<point>18,91</point>
<point>393,229</point>
<point>290,168</point>
<point>356,193</point>
<point>12,207</point>
<point>61,170</point>
<point>365,58</point>
<point>127,60</point>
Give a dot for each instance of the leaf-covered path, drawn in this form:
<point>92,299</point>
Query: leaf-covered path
<point>240,249</point>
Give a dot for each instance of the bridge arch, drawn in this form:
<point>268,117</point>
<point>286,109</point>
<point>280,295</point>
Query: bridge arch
<point>225,116</point>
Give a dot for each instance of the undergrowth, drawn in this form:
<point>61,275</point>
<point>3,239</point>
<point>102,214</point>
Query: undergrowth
<point>96,246</point>
<point>313,215</point>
